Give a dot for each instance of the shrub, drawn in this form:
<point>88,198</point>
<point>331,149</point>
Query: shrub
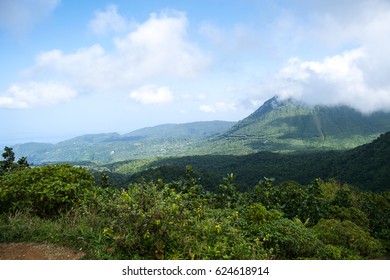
<point>349,236</point>
<point>45,191</point>
<point>289,239</point>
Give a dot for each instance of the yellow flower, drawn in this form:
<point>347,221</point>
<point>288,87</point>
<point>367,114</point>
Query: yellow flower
<point>147,235</point>
<point>218,228</point>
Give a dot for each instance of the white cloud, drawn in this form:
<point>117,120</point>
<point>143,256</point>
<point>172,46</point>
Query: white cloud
<point>108,21</point>
<point>21,15</point>
<point>152,94</point>
<point>157,48</point>
<point>336,80</point>
<point>356,71</point>
<point>90,69</point>
<point>35,94</point>
<point>207,108</point>
<point>218,107</point>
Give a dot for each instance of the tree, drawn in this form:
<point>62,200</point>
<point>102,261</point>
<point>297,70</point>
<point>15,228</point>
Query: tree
<point>22,162</point>
<point>9,164</point>
<point>104,181</point>
<point>9,159</point>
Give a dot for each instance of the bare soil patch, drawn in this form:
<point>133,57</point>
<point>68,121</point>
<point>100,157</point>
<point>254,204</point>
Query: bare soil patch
<point>37,251</point>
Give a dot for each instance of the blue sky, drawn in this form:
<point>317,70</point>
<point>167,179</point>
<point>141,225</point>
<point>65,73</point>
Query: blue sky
<point>76,67</point>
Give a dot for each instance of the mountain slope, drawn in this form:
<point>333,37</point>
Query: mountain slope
<point>163,140</point>
<point>366,167</point>
<point>289,125</point>
<point>278,125</point>
<point>182,131</point>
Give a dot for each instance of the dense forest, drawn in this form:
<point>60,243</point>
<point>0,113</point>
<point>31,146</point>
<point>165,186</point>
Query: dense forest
<point>367,167</point>
<point>182,219</point>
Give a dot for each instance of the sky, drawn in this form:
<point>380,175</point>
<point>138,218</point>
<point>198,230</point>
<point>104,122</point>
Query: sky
<point>72,67</point>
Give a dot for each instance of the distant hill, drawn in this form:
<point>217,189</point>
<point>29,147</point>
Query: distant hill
<point>278,125</point>
<point>155,141</point>
<point>289,125</point>
<point>195,130</point>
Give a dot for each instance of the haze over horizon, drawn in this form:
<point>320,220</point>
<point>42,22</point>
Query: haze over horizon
<point>71,68</point>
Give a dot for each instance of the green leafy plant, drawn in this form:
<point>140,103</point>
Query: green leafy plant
<point>45,191</point>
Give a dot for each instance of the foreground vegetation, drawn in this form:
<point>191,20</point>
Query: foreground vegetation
<point>180,220</point>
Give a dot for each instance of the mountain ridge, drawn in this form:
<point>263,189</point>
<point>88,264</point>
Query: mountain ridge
<point>160,140</point>
<point>293,125</point>
<point>278,125</point>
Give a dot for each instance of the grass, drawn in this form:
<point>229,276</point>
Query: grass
<point>73,230</point>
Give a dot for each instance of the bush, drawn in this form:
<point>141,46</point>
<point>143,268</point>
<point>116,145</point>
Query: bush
<point>45,191</point>
<point>257,213</point>
<point>347,235</point>
<point>289,239</point>
<point>149,221</point>
<point>142,220</point>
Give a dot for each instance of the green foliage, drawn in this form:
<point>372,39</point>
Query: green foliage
<point>142,218</point>
<point>9,158</point>
<point>377,209</point>
<point>8,164</point>
<point>287,239</point>
<point>227,195</point>
<point>46,191</point>
<point>257,213</point>
<point>104,181</point>
<point>293,199</point>
<point>151,221</point>
<point>179,219</point>
<point>352,214</point>
<point>354,241</point>
<point>366,167</point>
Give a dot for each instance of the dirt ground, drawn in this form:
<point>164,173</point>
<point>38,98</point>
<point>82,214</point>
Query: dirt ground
<point>35,251</point>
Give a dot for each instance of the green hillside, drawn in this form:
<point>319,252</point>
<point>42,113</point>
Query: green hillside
<point>292,126</point>
<point>195,130</point>
<point>277,126</point>
<point>366,167</point>
<point>163,140</point>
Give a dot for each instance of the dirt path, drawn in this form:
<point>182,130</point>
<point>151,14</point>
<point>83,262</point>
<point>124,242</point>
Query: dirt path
<point>36,251</point>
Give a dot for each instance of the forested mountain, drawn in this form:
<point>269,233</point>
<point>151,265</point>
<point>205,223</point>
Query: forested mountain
<point>162,140</point>
<point>278,125</point>
<point>366,167</point>
<point>195,130</point>
<point>289,125</point>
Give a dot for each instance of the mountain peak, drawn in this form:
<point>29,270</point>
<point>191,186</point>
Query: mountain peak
<point>289,124</point>
<point>273,104</point>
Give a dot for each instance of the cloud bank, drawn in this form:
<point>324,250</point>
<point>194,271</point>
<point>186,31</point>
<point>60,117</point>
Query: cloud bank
<point>357,76</point>
<point>340,79</point>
